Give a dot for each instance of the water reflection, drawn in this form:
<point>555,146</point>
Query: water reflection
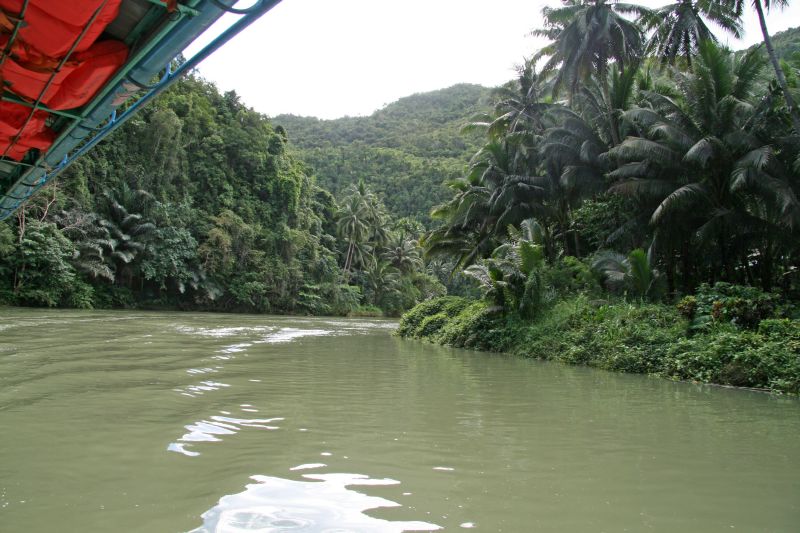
<point>290,334</point>
<point>324,504</point>
<point>215,428</point>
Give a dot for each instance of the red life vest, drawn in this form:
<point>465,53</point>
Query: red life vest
<point>72,86</point>
<point>50,29</point>
<point>52,26</point>
<point>35,135</point>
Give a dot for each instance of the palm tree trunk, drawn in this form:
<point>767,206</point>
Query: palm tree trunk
<point>347,256</point>
<point>778,71</point>
<point>612,119</point>
<point>671,273</point>
<point>766,267</point>
<point>686,267</point>
<point>748,272</point>
<point>727,268</point>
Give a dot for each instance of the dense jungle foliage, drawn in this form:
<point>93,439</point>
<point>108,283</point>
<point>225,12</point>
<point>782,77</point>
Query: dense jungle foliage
<point>197,204</point>
<point>634,166</point>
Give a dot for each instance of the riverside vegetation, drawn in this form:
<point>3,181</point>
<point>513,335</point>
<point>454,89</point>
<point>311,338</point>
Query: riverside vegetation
<point>635,204</point>
<point>196,203</point>
<point>630,201</point>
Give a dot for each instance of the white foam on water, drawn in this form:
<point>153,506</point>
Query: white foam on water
<point>222,332</point>
<point>290,334</point>
<point>180,448</point>
<point>206,370</point>
<point>214,429</point>
<point>308,466</point>
<point>280,505</point>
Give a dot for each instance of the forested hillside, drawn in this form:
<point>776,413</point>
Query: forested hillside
<point>197,203</point>
<point>786,43</point>
<point>405,151</point>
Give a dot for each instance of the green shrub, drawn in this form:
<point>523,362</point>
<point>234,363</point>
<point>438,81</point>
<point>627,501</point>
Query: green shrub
<point>570,275</point>
<point>431,325</point>
<point>113,296</point>
<point>458,330</point>
<point>622,337</point>
<point>366,311</point>
<point>411,321</point>
<point>766,358</point>
<point>81,296</point>
<point>742,306</point>
<point>478,326</point>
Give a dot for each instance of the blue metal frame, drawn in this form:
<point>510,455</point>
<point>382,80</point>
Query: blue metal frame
<point>100,116</point>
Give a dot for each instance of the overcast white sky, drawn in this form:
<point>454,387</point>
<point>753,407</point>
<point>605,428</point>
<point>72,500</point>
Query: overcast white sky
<point>331,58</point>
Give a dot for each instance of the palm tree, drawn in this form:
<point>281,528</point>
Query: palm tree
<point>382,279</point>
<point>496,193</point>
<point>512,277</point>
<point>403,255</point>
<point>632,275</point>
<point>587,37</point>
<point>92,242</point>
<point>678,28</point>
<point>466,232</point>
<point>760,6</point>
<point>519,107</point>
<point>352,225</point>
<point>127,231</point>
<point>706,166</point>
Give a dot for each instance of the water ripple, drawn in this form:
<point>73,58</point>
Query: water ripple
<point>325,504</point>
<point>201,388</point>
<point>290,334</point>
<point>215,428</point>
<point>222,332</point>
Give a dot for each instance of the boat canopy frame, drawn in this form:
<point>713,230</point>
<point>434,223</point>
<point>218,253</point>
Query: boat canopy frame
<point>128,90</point>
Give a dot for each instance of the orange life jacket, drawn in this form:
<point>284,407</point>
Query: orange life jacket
<point>35,135</point>
<point>51,27</point>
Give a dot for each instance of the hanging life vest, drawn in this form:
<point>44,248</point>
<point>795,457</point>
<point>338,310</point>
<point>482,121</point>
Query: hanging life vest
<point>16,141</point>
<point>51,27</point>
<point>73,85</point>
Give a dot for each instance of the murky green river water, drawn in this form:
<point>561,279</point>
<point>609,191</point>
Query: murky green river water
<point>166,422</point>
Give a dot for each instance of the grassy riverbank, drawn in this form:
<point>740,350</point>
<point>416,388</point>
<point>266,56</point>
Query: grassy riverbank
<point>624,337</point>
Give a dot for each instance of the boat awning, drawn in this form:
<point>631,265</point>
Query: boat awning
<point>73,72</point>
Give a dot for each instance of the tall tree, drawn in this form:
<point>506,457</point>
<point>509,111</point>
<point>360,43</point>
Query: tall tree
<point>704,163</point>
<point>353,226</point>
<point>678,28</point>
<point>760,6</point>
<point>587,37</point>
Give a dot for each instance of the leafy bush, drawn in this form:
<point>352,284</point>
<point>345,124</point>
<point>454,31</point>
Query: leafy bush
<point>431,325</point>
<point>570,275</point>
<point>623,337</point>
<point>477,326</point>
<point>742,306</point>
<point>366,311</point>
<point>631,275</point>
<point>766,358</point>
<point>81,295</point>
<point>411,321</point>
<point>113,296</point>
<point>620,336</point>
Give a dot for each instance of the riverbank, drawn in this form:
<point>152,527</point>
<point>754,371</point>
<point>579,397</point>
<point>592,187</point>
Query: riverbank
<point>622,337</point>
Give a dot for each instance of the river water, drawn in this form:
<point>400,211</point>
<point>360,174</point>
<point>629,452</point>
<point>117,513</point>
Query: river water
<point>173,422</point>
